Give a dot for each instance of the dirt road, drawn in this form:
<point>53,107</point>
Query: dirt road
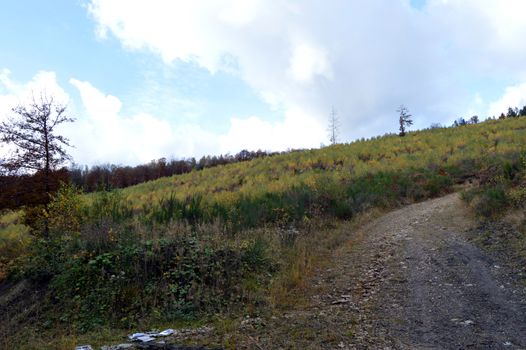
<point>408,280</point>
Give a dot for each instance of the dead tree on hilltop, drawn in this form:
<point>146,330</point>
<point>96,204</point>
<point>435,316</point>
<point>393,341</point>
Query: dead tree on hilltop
<point>405,119</point>
<point>334,125</point>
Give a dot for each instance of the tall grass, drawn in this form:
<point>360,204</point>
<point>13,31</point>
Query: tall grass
<point>14,239</point>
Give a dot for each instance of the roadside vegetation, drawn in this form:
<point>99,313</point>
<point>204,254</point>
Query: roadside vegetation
<point>501,187</point>
<point>499,201</point>
<point>234,239</point>
<point>14,239</point>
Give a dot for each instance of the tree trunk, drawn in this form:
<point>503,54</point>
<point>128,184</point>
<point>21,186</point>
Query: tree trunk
<point>47,174</point>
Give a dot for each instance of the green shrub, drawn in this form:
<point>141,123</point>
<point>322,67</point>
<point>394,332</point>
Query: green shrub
<point>180,277</point>
<point>489,201</point>
<point>107,205</point>
<point>255,256</point>
<point>64,211</point>
<point>502,186</point>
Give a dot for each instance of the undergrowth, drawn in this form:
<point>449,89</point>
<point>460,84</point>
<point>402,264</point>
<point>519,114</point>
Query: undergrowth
<point>502,187</point>
<point>14,239</point>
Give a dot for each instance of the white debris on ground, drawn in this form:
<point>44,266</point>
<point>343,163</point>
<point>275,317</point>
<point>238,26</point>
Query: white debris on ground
<point>146,337</point>
<point>152,336</point>
<point>166,332</point>
<point>143,337</point>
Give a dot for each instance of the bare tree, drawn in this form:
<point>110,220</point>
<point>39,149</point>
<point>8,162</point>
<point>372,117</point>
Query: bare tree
<point>405,119</point>
<point>334,125</point>
<point>31,131</point>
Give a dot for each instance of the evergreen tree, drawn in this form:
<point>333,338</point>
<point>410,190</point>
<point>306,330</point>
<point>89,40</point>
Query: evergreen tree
<point>512,113</point>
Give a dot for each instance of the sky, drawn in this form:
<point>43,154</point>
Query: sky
<point>147,79</point>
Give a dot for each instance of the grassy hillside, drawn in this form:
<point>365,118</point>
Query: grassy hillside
<point>233,239</point>
<point>442,148</point>
<point>340,180</point>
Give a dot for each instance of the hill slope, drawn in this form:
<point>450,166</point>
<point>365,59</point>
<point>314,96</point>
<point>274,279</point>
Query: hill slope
<point>432,149</point>
<point>237,239</point>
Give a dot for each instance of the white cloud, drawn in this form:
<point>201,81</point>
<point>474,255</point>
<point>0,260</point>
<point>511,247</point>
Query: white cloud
<point>103,134</point>
<point>307,62</point>
<point>514,96</point>
<point>100,133</point>
<point>301,57</point>
<point>108,136</point>
<point>298,130</point>
<point>13,93</point>
<point>365,58</point>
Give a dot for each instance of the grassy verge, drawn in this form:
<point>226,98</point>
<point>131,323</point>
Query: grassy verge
<point>499,200</point>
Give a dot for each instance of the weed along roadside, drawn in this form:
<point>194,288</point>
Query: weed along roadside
<point>215,248</point>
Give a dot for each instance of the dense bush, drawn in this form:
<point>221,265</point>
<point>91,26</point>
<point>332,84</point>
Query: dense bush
<point>171,278</point>
<point>17,191</point>
<point>107,176</point>
<point>102,265</point>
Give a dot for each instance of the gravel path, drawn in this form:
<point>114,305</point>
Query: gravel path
<point>408,280</point>
<point>451,294</point>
